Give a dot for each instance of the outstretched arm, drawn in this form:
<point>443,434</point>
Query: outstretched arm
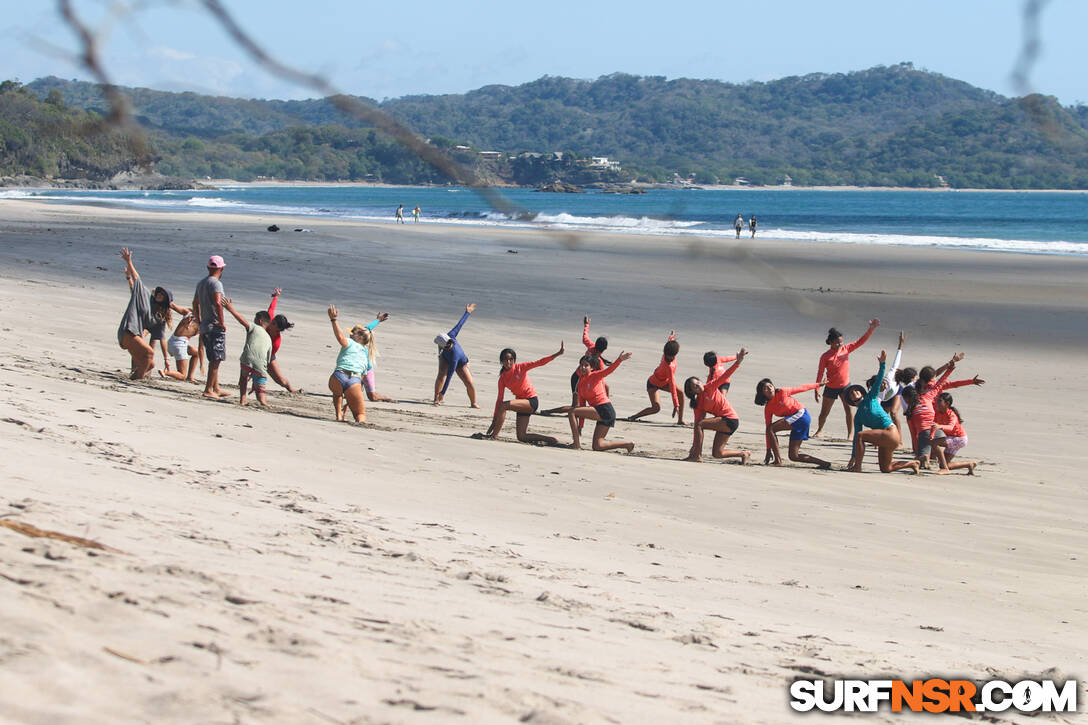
<point>336,331</point>
<point>130,269</point>
<point>379,318</point>
<point>457,328</point>
<point>947,367</point>
<point>230,308</point>
<point>275,299</point>
<point>873,324</point>
<point>585,333</point>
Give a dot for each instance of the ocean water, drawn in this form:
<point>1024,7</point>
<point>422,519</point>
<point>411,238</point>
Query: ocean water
<point>1028,222</point>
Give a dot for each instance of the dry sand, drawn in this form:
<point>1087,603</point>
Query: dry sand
<point>275,566</point>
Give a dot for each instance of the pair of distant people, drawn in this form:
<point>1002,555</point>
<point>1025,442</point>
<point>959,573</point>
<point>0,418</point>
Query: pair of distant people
<point>738,225</point>
<point>399,214</point>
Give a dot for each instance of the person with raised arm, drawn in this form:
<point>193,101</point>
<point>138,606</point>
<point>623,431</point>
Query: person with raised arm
<point>147,310</point>
<point>279,325</point>
<point>662,379</point>
<point>256,354</point>
<point>515,378</point>
<point>712,411</point>
<point>835,365</point>
<point>594,405</point>
<point>352,363</point>
<point>871,414</point>
<point>794,418</point>
<point>595,352</point>
<point>452,359</point>
<point>950,422</point>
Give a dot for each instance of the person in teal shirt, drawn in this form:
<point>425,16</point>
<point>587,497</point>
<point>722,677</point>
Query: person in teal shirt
<point>882,432</point>
<point>352,363</point>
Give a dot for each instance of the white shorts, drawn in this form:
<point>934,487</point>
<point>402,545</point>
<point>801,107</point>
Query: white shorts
<point>178,347</point>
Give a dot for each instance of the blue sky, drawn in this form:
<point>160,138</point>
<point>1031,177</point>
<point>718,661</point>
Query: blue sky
<point>386,50</point>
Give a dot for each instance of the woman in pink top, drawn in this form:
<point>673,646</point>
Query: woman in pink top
<point>795,419</point>
<point>663,378</point>
<point>713,412</point>
<point>515,378</point>
<point>835,366</point>
<point>593,404</point>
<point>947,419</point>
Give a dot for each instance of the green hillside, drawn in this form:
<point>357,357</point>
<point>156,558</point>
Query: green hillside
<point>884,126</point>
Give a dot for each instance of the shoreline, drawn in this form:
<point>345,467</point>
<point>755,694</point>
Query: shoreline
<point>1072,250</point>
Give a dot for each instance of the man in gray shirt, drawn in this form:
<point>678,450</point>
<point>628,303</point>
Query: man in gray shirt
<point>208,309</point>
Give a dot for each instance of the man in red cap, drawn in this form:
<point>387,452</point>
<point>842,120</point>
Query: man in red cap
<point>208,310</point>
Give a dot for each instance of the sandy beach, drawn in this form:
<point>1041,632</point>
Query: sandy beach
<point>277,566</point>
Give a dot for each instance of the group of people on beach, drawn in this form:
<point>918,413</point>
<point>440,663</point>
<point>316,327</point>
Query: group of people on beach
<point>874,411</point>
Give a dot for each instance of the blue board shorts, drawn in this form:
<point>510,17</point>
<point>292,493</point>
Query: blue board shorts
<point>347,379</point>
<point>800,425</point>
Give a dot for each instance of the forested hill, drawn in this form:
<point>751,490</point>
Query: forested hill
<point>884,126</point>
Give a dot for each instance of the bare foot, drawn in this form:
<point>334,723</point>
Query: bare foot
<point>161,374</point>
<point>942,471</point>
<point>772,463</point>
<point>915,467</point>
<point>825,466</point>
<point>474,406</point>
<point>971,468</point>
<point>744,458</point>
<point>694,459</point>
<point>211,396</point>
<point>630,447</point>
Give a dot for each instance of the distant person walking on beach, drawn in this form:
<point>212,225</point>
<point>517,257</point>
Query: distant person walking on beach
<point>146,310</point>
<point>276,328</point>
<point>515,378</point>
<point>752,224</point>
<point>738,224</point>
<point>399,216</point>
<point>835,364</point>
<point>208,309</point>
<point>452,359</point>
<point>416,213</point>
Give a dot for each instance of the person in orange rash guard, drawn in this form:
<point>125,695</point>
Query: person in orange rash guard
<point>515,378</point>
<point>835,364</point>
<point>664,378</point>
<point>595,405</point>
<point>715,364</point>
<point>594,351</point>
<point>794,418</point>
<point>713,412</point>
<point>947,419</point>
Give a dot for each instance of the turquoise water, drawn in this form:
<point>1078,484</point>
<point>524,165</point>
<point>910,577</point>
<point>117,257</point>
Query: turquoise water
<point>1038,222</point>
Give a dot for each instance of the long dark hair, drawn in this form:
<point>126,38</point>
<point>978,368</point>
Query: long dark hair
<point>905,375</point>
<point>946,398</point>
<point>926,374</point>
<point>507,351</point>
<point>160,311</point>
<point>690,392</point>
<point>910,400</point>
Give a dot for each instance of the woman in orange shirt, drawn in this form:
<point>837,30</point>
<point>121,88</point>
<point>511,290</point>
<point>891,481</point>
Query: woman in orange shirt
<point>663,378</point>
<point>595,405</point>
<point>515,378</point>
<point>947,419</point>
<point>795,419</point>
<point>835,365</point>
<point>713,412</point>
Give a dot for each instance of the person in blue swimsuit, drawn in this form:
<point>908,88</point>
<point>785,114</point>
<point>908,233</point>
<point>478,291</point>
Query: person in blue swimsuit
<point>871,414</point>
<point>452,359</point>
